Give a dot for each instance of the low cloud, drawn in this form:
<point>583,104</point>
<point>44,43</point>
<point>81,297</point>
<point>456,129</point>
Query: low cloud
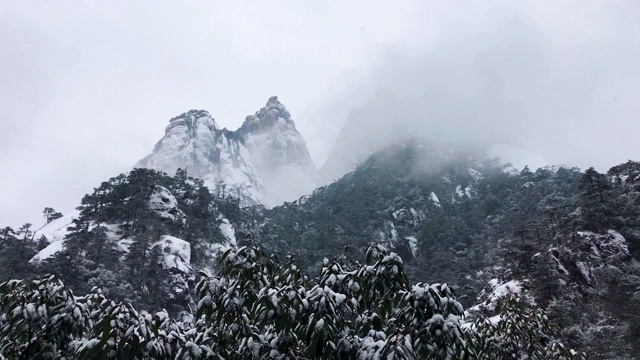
<point>564,87</point>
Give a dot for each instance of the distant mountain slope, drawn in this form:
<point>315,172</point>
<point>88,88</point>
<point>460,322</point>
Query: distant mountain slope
<point>566,237</point>
<point>265,161</point>
<point>386,120</point>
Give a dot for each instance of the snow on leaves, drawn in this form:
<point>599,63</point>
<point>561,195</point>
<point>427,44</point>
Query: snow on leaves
<point>258,308</point>
<point>518,332</point>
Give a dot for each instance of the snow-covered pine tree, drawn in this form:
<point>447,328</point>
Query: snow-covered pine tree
<point>256,307</point>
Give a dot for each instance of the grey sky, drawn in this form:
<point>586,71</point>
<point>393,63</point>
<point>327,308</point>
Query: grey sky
<point>560,80</point>
<point>88,87</point>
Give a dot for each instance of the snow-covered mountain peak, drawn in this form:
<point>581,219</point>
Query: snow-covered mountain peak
<point>272,137</point>
<point>192,119</point>
<point>194,141</point>
<point>279,152</point>
<point>273,101</point>
<point>265,161</point>
<point>273,116</point>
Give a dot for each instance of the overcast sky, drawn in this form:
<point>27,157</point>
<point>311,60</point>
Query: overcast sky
<point>87,88</point>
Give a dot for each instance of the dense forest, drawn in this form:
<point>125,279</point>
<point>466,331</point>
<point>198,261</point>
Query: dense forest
<point>256,308</point>
<point>522,264</point>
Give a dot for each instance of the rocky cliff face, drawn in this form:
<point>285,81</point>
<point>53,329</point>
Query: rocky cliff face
<point>194,141</point>
<point>264,162</point>
<point>279,153</point>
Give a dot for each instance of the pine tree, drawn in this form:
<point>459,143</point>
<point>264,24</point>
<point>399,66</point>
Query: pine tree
<point>50,214</point>
<point>16,249</point>
<point>594,200</point>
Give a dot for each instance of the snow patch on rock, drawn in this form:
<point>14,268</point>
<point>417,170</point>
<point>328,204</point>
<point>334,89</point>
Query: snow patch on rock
<point>177,254</point>
<point>494,291</point>
<point>165,204</point>
<point>435,199</point>
<point>475,174</point>
<point>228,232</point>
<point>611,245</point>
<point>48,251</point>
<point>413,244</point>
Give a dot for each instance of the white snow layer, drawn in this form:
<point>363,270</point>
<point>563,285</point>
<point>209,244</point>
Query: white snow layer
<point>228,232</point>
<point>280,154</point>
<point>616,240</point>
<point>611,245</point>
<point>496,290</point>
<point>413,244</point>
<point>55,232</point>
<point>463,192</point>
<point>435,199</point>
<point>161,201</point>
<point>475,174</point>
<point>177,254</point>
<point>57,229</point>
<point>504,289</point>
<point>48,251</point>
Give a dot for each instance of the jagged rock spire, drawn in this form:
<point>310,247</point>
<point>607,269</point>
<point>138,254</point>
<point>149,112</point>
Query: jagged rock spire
<point>265,161</point>
<point>273,100</point>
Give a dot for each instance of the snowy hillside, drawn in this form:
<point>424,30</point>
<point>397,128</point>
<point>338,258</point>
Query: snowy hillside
<point>141,236</point>
<point>347,155</point>
<point>264,162</point>
<point>57,229</point>
<point>384,122</point>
